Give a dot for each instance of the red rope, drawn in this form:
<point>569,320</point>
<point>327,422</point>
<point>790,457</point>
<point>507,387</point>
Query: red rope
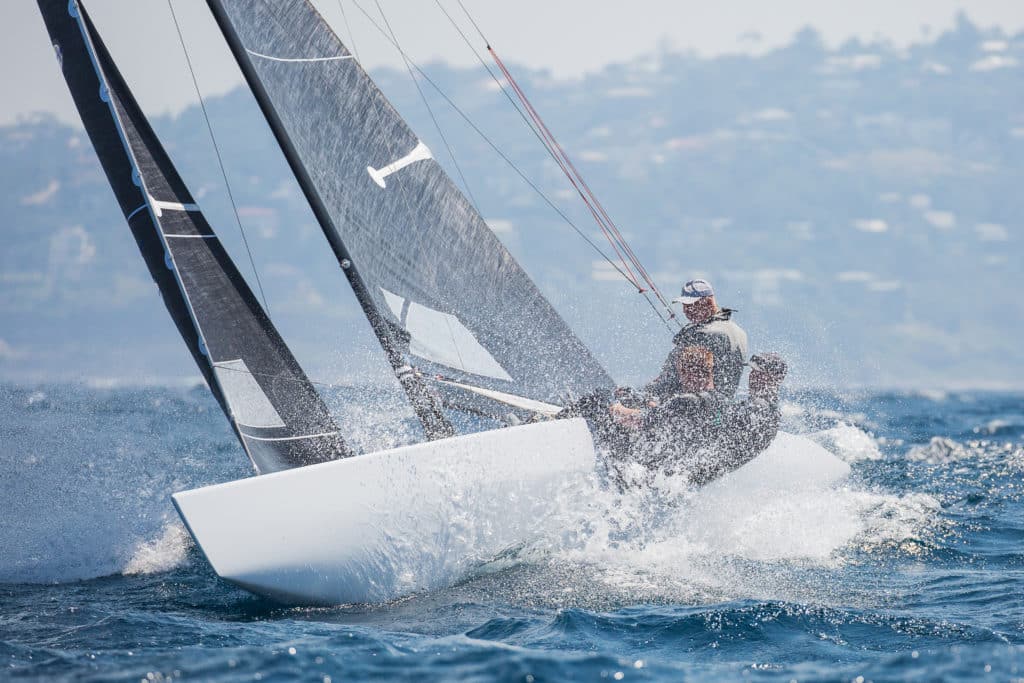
<point>608,227</point>
<point>562,160</point>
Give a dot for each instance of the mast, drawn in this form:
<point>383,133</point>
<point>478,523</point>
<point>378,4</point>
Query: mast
<point>435,424</point>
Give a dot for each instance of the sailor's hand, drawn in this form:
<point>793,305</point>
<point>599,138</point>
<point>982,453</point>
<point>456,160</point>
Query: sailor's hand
<point>627,417</point>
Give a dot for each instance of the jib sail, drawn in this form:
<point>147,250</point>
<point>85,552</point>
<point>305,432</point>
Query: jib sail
<point>280,419</point>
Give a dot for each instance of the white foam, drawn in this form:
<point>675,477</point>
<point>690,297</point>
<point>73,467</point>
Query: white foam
<point>939,450</point>
<point>668,541</point>
<point>848,442</point>
<point>639,550</point>
<point>167,551</point>
<point>993,426</point>
<point>36,398</point>
<point>894,521</point>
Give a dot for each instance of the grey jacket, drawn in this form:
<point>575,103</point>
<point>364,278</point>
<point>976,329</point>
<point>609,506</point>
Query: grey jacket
<point>704,437</point>
<point>727,342</point>
<point>748,428</point>
<point>680,426</point>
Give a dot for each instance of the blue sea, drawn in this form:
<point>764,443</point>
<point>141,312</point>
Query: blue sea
<point>913,569</point>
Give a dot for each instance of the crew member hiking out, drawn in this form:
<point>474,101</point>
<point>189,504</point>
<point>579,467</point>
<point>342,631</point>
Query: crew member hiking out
<point>748,426</point>
<point>711,328</point>
<point>659,435</point>
<point>672,433</point>
<point>697,433</point>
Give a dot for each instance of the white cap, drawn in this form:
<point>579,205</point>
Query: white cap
<point>694,291</point>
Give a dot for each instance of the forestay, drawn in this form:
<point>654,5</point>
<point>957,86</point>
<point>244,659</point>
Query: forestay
<point>278,415</point>
<point>453,296</point>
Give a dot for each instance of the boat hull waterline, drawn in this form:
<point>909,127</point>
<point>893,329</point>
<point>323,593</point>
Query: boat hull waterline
<point>423,517</point>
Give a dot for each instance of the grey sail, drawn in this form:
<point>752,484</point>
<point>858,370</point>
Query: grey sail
<point>276,412</point>
<point>455,302</point>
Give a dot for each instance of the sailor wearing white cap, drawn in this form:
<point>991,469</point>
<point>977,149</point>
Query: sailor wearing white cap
<point>711,328</point>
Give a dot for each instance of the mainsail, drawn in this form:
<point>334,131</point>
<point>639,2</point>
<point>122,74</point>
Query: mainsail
<point>280,419</point>
<point>435,281</point>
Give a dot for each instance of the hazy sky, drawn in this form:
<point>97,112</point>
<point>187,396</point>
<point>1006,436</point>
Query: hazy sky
<point>569,37</point>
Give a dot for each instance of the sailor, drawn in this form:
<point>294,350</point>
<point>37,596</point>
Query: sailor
<point>748,426</point>
<point>697,433</point>
<point>671,433</point>
<point>711,328</point>
<point>657,436</point>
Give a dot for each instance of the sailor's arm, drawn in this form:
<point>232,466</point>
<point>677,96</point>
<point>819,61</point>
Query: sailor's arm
<point>626,417</point>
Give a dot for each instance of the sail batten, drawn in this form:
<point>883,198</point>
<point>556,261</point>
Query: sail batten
<point>299,59</point>
<point>245,362</point>
<point>388,206</point>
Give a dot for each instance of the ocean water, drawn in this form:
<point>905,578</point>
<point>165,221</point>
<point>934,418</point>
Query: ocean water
<point>913,569</point>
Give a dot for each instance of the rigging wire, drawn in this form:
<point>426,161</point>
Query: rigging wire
<point>558,154</point>
<point>348,27</point>
<point>533,129</point>
<point>423,97</point>
<point>540,131</point>
<point>220,159</point>
<point>465,117</point>
<point>608,226</point>
<point>487,67</point>
<point>537,127</point>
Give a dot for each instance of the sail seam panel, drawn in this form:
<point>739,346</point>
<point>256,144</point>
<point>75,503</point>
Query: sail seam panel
<point>335,58</point>
<point>434,422</point>
<point>391,128</point>
<point>119,127</point>
<point>54,13</point>
<point>386,127</point>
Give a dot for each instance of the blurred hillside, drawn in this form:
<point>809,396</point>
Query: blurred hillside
<point>861,207</point>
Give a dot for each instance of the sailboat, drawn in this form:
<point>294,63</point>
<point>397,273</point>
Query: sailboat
<point>462,325</point>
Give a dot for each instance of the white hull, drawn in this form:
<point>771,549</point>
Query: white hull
<point>779,506</point>
<point>792,463</point>
<point>380,526</point>
<point>385,525</point>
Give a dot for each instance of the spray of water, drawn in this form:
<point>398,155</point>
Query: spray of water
<point>96,503</point>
